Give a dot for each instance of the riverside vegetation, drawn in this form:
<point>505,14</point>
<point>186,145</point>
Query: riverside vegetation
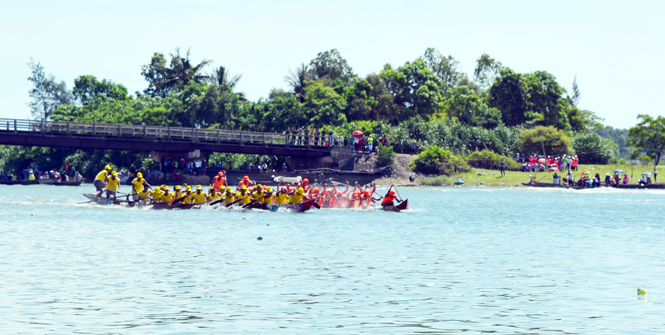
<point>427,101</point>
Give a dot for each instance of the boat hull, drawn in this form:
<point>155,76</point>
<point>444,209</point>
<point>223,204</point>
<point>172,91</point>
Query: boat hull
<point>19,182</point>
<point>402,206</point>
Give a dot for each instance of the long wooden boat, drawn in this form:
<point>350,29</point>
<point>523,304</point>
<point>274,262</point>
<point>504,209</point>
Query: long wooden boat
<point>640,186</point>
<point>545,185</point>
<point>397,208</point>
<point>19,182</point>
<point>301,207</point>
<point>159,206</point>
<point>48,181</point>
<point>69,183</point>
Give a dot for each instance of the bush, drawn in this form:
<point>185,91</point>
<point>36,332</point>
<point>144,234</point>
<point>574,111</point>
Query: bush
<point>622,161</point>
<point>435,160</point>
<point>556,143</point>
<point>593,149</point>
<point>436,181</point>
<point>487,159</point>
<point>614,160</point>
<point>385,155</point>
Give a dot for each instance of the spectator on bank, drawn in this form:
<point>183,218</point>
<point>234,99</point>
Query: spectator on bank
<point>413,147</point>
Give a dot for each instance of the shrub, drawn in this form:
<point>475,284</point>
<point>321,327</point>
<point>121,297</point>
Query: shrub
<point>622,161</point>
<point>435,160</point>
<point>593,149</point>
<point>614,160</point>
<point>385,155</point>
<point>487,159</point>
<point>436,181</point>
<point>554,140</point>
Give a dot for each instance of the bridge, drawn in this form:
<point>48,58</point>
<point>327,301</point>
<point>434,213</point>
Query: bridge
<point>153,138</point>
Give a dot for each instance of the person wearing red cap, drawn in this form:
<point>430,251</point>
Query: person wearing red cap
<point>219,182</point>
<point>389,199</point>
<point>246,182</point>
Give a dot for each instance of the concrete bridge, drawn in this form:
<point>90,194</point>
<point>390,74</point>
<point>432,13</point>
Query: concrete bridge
<point>161,139</point>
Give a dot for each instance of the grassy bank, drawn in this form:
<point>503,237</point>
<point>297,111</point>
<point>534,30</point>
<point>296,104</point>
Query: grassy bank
<point>516,178</point>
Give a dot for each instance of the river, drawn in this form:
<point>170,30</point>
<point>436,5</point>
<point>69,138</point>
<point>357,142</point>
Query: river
<point>472,260</point>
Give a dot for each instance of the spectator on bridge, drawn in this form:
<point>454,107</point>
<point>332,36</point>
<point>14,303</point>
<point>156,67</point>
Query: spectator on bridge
<point>284,167</point>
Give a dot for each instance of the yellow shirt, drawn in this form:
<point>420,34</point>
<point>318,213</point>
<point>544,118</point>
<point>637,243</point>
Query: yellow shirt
<point>246,198</point>
<point>268,200</point>
<point>198,198</point>
<point>166,197</point>
<point>229,198</point>
<point>296,197</point>
<point>144,195</point>
<point>281,199</point>
<point>137,185</point>
<point>213,196</point>
<point>157,194</point>
<point>259,196</point>
<point>113,184</point>
<point>188,199</point>
<point>102,176</point>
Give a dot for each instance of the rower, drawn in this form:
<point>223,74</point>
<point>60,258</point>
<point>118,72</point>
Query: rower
<point>229,197</point>
<point>199,197</point>
<point>246,182</point>
<point>176,192</point>
<point>138,185</point>
<point>258,194</point>
<point>243,196</point>
<point>297,196</point>
<point>213,194</point>
<point>113,185</point>
<point>219,182</point>
<point>166,196</point>
<point>282,196</point>
<point>101,179</point>
<point>188,195</point>
<point>157,194</point>
<point>269,196</point>
<point>389,199</point>
<point>305,185</point>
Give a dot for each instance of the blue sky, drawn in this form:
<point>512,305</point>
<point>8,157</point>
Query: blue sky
<point>615,48</point>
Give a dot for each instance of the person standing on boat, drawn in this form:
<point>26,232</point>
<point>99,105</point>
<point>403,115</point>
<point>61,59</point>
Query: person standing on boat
<point>389,199</point>
<point>608,180</point>
<point>655,174</point>
<point>101,180</point>
<point>219,182</point>
<point>113,185</point>
<point>246,182</point>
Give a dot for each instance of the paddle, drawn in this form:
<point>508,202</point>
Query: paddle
<point>251,203</point>
<point>216,202</point>
<point>177,200</point>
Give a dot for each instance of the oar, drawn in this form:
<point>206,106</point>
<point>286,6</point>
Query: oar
<point>253,202</point>
<point>233,203</point>
<point>216,202</point>
<point>177,200</point>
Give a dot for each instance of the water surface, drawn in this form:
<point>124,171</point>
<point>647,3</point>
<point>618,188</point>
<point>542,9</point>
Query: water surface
<point>472,260</point>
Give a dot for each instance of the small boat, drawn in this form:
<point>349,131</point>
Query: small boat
<point>68,183</point>
<point>19,182</point>
<point>397,208</point>
<point>48,181</point>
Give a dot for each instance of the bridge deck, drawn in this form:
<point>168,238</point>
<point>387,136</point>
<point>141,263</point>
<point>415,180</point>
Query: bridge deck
<point>149,138</point>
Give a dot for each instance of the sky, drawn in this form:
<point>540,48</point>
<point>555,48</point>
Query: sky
<point>615,48</point>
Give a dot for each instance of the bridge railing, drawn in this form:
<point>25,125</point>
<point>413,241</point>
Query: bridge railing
<point>176,134</point>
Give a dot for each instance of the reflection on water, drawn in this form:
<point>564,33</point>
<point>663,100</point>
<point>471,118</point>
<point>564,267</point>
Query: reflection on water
<point>471,260</point>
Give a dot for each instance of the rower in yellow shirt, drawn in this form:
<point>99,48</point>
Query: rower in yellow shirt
<point>213,194</point>
<point>243,195</point>
<point>297,196</point>
<point>101,179</point>
<point>166,196</point>
<point>188,195</point>
<point>199,197</point>
<point>157,194</point>
<point>269,197</point>
<point>138,186</point>
<point>258,194</point>
<point>282,197</point>
<point>113,185</point>
<point>228,196</point>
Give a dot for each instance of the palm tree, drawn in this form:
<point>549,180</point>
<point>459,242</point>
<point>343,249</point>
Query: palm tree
<point>221,77</point>
<point>299,81</point>
<point>180,73</point>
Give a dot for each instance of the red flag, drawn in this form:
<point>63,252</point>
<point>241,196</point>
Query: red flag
<point>67,166</point>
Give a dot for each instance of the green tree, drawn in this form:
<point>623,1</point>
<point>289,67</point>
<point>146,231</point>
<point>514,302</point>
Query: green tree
<point>465,106</point>
<point>487,69</point>
<point>510,95</point>
<point>445,68</point>
<point>414,88</point>
<point>648,135</point>
<point>46,93</point>
<point>593,149</point>
<point>435,160</point>
<point>545,100</point>
<point>88,88</point>
<point>165,79</point>
<point>299,80</point>
<point>359,101</point>
<point>331,65</point>
<point>324,106</point>
<point>385,108</point>
<point>553,141</point>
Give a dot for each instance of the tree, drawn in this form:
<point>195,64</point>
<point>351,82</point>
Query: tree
<point>46,93</point>
<point>487,69</point>
<point>324,106</point>
<point>509,94</point>
<point>445,68</point>
<point>593,149</point>
<point>553,141</point>
<point>545,102</point>
<point>359,101</point>
<point>414,88</point>
<point>173,78</point>
<point>648,135</point>
<point>575,98</point>
<point>330,64</point>
<point>221,78</point>
<point>299,80</point>
<point>465,106</point>
<point>88,88</point>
